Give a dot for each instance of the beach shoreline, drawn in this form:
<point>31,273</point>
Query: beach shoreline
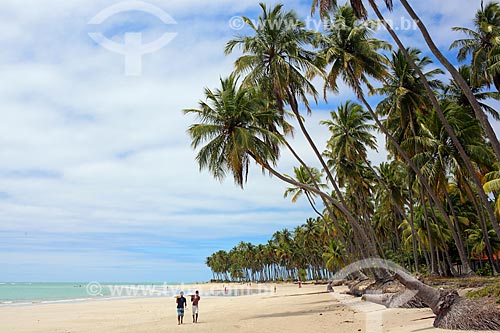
<point>290,309</point>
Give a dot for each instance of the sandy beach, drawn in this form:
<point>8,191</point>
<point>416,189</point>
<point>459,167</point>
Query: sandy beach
<point>290,309</point>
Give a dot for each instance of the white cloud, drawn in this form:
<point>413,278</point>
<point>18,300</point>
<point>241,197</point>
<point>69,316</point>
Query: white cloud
<point>115,147</point>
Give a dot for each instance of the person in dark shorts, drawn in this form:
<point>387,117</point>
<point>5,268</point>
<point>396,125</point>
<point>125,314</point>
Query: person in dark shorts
<point>195,299</point>
<point>181,304</point>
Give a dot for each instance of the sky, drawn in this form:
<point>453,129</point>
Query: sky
<point>98,181</point>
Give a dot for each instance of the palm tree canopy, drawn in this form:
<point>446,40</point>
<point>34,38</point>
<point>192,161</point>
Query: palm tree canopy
<point>350,131</point>
<point>276,57</point>
<point>481,44</point>
<point>351,53</point>
<point>235,126</point>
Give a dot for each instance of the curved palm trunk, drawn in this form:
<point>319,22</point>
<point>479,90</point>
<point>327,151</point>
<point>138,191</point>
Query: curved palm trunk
<point>313,206</point>
<point>441,116</point>
<point>483,119</point>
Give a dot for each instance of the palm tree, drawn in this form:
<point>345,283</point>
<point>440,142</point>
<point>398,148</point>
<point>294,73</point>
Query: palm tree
<point>234,121</point>
<point>360,12</point>
<point>439,157</point>
<point>347,156</point>
<point>303,176</point>
<point>462,84</point>
<point>492,185</point>
<point>350,133</point>
<point>358,74</point>
<point>453,92</point>
<point>405,96</point>
<point>481,116</point>
<point>479,44</point>
<point>351,53</point>
<point>276,59</point>
<point>333,255</point>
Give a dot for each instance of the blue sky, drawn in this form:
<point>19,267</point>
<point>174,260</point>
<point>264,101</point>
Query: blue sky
<point>98,180</point>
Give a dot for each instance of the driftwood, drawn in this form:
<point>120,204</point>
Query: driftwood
<point>452,311</point>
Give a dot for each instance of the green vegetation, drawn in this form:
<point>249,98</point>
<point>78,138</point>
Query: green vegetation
<point>492,291</point>
<point>426,207</point>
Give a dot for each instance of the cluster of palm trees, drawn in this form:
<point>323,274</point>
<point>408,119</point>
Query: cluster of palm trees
<point>287,256</point>
<point>429,206</point>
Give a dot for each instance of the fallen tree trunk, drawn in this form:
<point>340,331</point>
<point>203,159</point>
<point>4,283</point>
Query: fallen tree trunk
<point>358,288</point>
<point>452,311</point>
<point>395,300</point>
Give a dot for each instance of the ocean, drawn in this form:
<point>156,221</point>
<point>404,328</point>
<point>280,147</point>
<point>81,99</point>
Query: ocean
<point>28,293</point>
<point>24,293</point>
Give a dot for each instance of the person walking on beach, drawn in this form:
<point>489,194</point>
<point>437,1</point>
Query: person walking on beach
<point>181,304</point>
<point>195,299</point>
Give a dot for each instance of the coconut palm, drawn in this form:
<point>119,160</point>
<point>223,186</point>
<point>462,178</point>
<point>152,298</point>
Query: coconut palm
<point>303,176</point>
<point>492,185</point>
<point>481,116</point>
<point>351,133</point>
<point>405,96</point>
<point>358,74</point>
<point>276,59</point>
<point>351,52</point>
<point>462,84</point>
<point>326,6</point>
<point>234,130</point>
<point>453,92</point>
<point>479,44</point>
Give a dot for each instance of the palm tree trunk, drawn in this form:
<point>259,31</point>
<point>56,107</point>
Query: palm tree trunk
<point>452,311</point>
<point>446,254</point>
<point>460,244</point>
<point>434,265</point>
<point>414,235</point>
<point>483,119</point>
<point>313,206</point>
<point>442,118</point>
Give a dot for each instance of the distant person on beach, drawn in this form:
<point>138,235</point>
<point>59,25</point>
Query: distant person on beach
<point>181,304</point>
<point>195,299</point>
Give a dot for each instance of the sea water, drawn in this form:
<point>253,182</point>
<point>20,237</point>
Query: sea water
<point>27,293</point>
<point>21,293</point>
